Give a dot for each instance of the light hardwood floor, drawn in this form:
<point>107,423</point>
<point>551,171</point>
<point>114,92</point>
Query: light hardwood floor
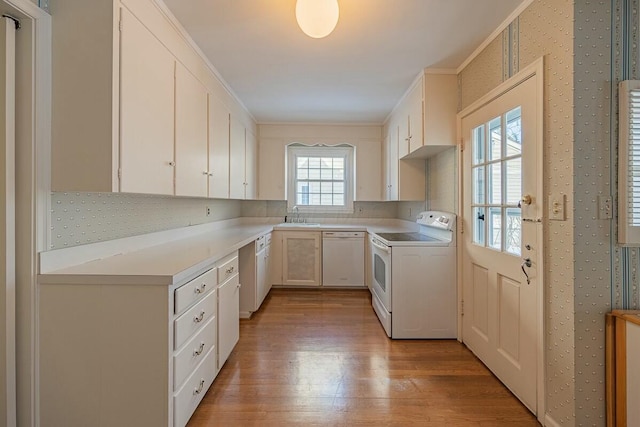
<point>320,357</point>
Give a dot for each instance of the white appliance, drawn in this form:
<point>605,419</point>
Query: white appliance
<point>343,258</point>
<point>413,290</point>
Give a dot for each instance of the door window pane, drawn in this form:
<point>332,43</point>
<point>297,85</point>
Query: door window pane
<point>478,185</point>
<point>494,176</point>
<point>513,180</point>
<point>514,133</point>
<point>513,236</point>
<point>495,228</point>
<point>478,145</point>
<point>495,138</point>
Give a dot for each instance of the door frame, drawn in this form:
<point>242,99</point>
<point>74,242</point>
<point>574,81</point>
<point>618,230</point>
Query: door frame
<point>534,69</point>
<point>33,189</point>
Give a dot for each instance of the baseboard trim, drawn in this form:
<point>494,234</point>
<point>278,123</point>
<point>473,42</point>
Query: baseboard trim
<point>550,422</point>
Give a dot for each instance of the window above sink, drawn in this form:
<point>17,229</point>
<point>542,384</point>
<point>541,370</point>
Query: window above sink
<point>320,179</point>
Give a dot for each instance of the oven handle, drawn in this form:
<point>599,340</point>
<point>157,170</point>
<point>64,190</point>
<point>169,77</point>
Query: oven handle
<point>375,243</point>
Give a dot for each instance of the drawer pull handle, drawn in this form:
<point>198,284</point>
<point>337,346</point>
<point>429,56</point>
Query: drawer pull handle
<point>199,351</point>
<point>201,288</point>
<point>230,270</point>
<point>198,319</point>
<point>199,389</point>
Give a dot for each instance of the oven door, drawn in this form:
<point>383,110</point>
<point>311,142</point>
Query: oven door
<point>381,271</point>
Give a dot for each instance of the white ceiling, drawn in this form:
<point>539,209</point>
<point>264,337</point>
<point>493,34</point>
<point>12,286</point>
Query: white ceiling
<point>355,75</point>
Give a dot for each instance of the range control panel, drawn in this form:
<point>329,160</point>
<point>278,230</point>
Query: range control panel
<point>438,219</point>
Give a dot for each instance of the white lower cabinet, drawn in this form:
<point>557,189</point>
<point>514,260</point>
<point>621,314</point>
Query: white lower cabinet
<point>228,311</point>
<point>121,352</point>
<point>254,275</point>
<point>301,258</point>
<point>187,399</point>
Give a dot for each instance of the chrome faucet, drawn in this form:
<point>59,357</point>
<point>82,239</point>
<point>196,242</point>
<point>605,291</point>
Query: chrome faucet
<point>297,212</point>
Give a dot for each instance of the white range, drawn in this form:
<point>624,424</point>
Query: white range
<point>414,279</point>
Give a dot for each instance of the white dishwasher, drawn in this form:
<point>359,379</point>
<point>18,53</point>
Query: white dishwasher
<point>343,258</point>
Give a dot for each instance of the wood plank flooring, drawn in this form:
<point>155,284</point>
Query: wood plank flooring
<point>320,357</point>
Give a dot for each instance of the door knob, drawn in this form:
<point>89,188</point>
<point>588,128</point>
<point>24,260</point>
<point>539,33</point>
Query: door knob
<point>526,263</point>
<point>526,200</point>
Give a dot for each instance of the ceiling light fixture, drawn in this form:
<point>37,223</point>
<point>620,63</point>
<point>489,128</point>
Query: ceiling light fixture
<point>317,18</point>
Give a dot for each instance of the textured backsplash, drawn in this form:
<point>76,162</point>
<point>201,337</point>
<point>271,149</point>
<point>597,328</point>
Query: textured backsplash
<point>278,208</point>
<point>81,218</point>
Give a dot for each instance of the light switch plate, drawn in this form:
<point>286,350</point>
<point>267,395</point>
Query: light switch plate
<point>604,207</point>
<point>557,207</point>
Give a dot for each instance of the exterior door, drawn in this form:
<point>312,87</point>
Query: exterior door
<point>7,232</point>
<point>501,214</point>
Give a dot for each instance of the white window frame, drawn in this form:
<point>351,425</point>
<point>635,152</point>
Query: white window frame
<point>346,151</point>
<point>628,159</point>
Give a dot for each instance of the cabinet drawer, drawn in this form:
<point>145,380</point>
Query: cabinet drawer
<point>191,321</point>
<point>228,267</point>
<point>186,400</point>
<point>193,352</point>
<point>267,239</point>
<point>195,290</point>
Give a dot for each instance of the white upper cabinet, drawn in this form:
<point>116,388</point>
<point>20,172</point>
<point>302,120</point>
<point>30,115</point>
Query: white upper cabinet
<point>250,165</point>
<point>146,111</point>
<point>237,159</point>
<point>129,95</point>
<point>426,116</point>
<point>218,149</point>
<point>405,180</point>
<point>191,119</point>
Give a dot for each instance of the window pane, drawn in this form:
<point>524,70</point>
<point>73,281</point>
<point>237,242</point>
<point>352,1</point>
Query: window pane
<point>326,162</point>
<point>314,199</point>
<point>478,225</point>
<point>338,163</point>
<point>513,231</point>
<point>314,162</point>
<point>495,141</point>
<point>314,173</point>
<point>338,199</point>
<point>514,132</point>
<point>494,177</point>
<point>326,174</point>
<point>338,187</point>
<point>303,162</point>
<point>514,181</point>
<point>326,199</point>
<point>495,227</point>
<point>478,185</point>
<point>303,173</point>
<point>314,187</point>
<point>338,174</point>
<point>326,187</point>
<point>478,145</point>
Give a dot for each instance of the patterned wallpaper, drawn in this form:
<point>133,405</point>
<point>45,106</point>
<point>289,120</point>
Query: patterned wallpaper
<point>442,181</point>
<point>81,218</point>
<point>544,29</point>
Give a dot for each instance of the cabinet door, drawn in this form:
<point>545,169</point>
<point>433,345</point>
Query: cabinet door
<point>146,111</point>
<point>261,276</point>
<point>250,166</point>
<point>301,263</point>
<point>218,149</point>
<point>368,175</point>
<point>191,135</point>
<point>236,159</point>
<point>228,318</point>
<point>392,164</point>
<point>271,173</point>
<point>415,116</point>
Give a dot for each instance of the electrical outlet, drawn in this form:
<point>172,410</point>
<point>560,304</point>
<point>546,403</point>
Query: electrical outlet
<point>604,207</point>
<point>556,207</point>
<point>208,211</point>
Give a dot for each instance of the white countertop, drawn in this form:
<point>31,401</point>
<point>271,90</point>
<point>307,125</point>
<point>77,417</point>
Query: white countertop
<point>169,258</point>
